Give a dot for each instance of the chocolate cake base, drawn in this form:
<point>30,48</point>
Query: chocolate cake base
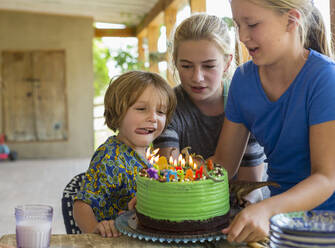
<point>185,227</point>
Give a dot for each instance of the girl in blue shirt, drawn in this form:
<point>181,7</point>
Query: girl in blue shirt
<point>285,97</point>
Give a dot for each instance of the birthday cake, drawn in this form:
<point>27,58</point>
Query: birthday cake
<point>182,197</point>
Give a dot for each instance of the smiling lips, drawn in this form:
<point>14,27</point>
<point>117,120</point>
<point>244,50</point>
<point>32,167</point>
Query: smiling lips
<point>146,130</point>
<point>198,89</point>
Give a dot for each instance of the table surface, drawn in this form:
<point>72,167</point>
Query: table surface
<point>94,240</point>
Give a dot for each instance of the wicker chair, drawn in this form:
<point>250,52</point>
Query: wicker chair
<point>69,193</point>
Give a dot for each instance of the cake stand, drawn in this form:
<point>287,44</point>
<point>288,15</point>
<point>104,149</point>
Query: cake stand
<point>127,224</point>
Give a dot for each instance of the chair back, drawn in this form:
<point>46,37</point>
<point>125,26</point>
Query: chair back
<point>69,193</point>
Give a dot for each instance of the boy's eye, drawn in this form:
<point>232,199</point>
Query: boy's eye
<point>209,66</point>
<point>161,112</point>
<point>140,108</point>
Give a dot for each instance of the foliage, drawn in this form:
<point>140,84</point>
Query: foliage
<point>126,61</point>
<point>101,55</point>
<point>229,22</point>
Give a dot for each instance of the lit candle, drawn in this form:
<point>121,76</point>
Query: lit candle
<point>209,165</point>
<point>189,174</point>
<point>170,160</point>
<point>190,161</point>
<point>180,157</point>
<point>172,174</point>
<point>183,162</point>
<point>198,173</point>
<point>180,174</point>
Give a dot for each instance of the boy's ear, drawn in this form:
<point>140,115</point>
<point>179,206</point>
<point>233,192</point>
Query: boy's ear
<point>293,18</point>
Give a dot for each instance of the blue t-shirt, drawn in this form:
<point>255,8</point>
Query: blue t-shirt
<point>282,126</point>
<point>110,181</point>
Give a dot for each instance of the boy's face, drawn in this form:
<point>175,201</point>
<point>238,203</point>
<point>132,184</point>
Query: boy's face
<point>144,120</point>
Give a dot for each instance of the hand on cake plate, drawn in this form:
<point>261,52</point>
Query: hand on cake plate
<point>251,224</point>
<point>106,228</point>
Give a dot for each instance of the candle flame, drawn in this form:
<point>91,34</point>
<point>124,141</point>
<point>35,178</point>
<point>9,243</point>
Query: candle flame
<point>148,153</point>
<point>180,157</point>
<point>155,151</point>
<point>190,161</point>
<point>195,166</point>
<point>175,163</point>
<point>156,158</point>
<point>171,160</point>
<point>183,162</point>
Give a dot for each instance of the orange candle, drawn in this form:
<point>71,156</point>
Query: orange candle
<point>189,174</point>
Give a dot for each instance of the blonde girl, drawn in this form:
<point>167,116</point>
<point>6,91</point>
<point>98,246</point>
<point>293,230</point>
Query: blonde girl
<point>285,96</point>
<point>203,55</point>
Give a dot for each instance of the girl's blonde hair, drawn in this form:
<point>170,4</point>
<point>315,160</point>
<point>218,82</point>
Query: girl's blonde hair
<point>202,26</point>
<point>124,91</point>
<point>311,24</point>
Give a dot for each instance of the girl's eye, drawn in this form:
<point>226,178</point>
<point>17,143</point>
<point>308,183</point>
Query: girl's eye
<point>186,66</point>
<point>252,25</point>
<point>209,66</point>
<point>161,112</point>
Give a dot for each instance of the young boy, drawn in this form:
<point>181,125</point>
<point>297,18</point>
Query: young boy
<point>138,105</point>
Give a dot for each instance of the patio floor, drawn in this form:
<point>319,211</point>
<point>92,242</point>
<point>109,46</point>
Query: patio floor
<point>35,181</point>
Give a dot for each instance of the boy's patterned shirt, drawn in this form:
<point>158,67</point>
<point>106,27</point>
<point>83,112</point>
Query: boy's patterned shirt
<point>110,181</point>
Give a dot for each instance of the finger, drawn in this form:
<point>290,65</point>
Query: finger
<point>107,229</point>
<point>235,228</point>
<point>100,230</point>
<point>113,229</point>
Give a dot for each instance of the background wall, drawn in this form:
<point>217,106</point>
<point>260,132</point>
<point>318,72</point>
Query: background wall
<point>29,31</point>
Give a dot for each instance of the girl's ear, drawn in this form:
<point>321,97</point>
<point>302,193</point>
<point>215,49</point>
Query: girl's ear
<point>228,62</point>
<point>293,19</point>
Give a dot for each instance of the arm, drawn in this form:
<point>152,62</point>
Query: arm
<point>252,223</point>
<point>87,223</point>
<point>84,216</point>
<point>231,145</point>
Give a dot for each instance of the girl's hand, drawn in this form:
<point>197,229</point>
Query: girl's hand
<point>251,224</point>
<point>106,228</point>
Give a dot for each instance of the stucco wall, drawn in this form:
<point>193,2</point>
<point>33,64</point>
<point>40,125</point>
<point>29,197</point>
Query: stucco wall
<point>29,31</point>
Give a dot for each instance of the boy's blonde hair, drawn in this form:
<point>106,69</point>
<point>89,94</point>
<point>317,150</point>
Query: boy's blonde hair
<point>124,91</point>
<point>312,29</point>
<point>202,26</point>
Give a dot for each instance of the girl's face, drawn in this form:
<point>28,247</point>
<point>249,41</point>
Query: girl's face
<point>201,65</point>
<point>263,31</point>
<point>144,120</point>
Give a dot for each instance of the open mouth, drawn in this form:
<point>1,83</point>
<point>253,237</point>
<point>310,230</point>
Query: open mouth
<point>146,130</point>
<point>252,51</point>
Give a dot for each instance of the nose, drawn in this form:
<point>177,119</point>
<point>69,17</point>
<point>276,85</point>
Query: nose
<point>198,75</point>
<point>243,34</point>
<point>152,116</point>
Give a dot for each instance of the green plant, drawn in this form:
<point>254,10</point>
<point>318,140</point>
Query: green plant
<point>101,55</point>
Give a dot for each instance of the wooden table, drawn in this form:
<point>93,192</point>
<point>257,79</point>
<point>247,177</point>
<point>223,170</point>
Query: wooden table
<point>94,240</point>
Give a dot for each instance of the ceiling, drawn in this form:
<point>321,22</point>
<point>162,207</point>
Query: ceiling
<point>129,12</point>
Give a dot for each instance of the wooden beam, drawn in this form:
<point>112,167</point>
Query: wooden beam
<point>153,31</point>
<point>170,16</point>
<point>112,32</point>
<point>198,6</point>
<point>332,22</point>
<point>155,11</point>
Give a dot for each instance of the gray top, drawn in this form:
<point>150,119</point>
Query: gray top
<point>190,127</point>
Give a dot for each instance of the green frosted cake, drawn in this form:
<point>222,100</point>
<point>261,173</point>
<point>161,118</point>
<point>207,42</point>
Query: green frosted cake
<point>197,204</point>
